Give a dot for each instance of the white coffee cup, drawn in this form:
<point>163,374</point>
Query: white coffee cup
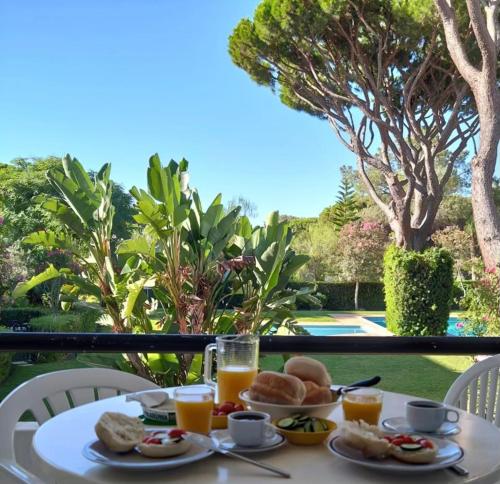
<point>428,416</point>
<point>249,428</point>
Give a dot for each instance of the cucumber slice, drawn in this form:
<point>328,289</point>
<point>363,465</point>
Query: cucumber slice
<point>318,426</point>
<point>286,423</point>
<point>302,418</point>
<point>299,429</point>
<point>296,416</point>
<point>410,447</point>
<point>308,426</point>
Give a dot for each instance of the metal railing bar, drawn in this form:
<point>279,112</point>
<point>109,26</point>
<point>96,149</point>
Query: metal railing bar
<point>163,343</point>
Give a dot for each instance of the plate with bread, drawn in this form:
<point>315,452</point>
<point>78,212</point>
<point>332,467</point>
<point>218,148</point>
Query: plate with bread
<point>124,443</point>
<point>369,446</point>
<point>304,387</point>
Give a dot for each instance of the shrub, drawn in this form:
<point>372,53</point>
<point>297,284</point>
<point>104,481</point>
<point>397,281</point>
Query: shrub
<point>11,315</point>
<point>418,291</point>
<point>340,296</point>
<point>5,362</point>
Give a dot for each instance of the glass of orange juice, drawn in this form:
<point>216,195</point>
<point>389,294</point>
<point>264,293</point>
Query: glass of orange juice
<point>237,363</point>
<point>362,404</point>
<point>193,408</point>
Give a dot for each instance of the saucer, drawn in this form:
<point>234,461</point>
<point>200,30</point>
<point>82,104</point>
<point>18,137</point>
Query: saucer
<point>224,441</point>
<point>401,425</point>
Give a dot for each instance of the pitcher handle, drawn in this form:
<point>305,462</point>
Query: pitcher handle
<point>207,374</point>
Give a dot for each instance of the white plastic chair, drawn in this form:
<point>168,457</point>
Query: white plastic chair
<point>46,396</point>
<point>477,390</point>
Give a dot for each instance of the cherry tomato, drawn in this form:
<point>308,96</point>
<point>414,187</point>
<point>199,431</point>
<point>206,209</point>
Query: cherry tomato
<point>176,433</point>
<point>239,407</point>
<point>227,407</point>
<point>397,441</point>
<point>407,439</point>
<point>221,413</point>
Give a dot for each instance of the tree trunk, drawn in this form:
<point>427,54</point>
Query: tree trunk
<point>356,296</point>
<point>486,218</point>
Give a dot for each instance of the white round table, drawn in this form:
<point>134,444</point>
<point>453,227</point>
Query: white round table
<point>58,446</point>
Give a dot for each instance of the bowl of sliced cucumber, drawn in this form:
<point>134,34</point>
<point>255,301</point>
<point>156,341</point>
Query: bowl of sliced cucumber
<point>301,429</point>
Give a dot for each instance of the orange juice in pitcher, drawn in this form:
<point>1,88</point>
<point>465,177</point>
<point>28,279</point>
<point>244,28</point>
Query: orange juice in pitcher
<point>237,362</point>
<point>232,379</point>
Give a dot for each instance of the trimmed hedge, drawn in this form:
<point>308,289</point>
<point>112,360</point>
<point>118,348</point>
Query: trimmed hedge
<point>340,296</point>
<point>418,291</point>
<point>9,316</point>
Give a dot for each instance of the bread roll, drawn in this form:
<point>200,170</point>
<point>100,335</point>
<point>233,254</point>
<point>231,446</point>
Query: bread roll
<point>308,369</point>
<point>119,432</point>
<point>316,395</point>
<point>278,388</point>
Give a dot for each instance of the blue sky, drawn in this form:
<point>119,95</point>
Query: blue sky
<point>117,80</point>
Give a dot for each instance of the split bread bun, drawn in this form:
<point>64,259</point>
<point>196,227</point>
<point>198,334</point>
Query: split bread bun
<point>370,440</point>
<point>366,438</point>
<point>119,432</point>
<point>277,388</point>
<point>316,395</point>
<point>308,369</point>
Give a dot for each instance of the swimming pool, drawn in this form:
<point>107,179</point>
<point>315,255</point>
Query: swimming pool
<point>333,330</point>
<point>454,324</point>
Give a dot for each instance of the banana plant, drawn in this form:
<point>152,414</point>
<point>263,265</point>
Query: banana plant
<point>83,207</point>
<point>267,302</point>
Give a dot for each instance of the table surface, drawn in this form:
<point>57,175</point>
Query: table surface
<point>58,446</point>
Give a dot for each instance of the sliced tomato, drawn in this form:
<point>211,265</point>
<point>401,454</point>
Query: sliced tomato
<point>176,433</point>
<point>397,441</point>
<point>152,441</point>
<point>239,407</point>
<point>426,444</point>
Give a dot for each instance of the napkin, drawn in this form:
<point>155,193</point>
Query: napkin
<point>150,399</point>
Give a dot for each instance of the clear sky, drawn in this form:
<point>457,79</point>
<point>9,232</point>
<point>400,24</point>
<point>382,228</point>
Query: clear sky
<point>117,80</point>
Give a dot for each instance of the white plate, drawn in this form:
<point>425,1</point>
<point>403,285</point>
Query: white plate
<point>401,425</point>
<point>224,441</point>
<point>96,451</point>
<point>449,454</point>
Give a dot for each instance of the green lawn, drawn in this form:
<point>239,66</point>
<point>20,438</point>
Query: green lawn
<point>425,376</point>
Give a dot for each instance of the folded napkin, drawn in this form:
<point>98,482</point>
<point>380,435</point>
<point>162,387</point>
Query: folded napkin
<point>150,399</point>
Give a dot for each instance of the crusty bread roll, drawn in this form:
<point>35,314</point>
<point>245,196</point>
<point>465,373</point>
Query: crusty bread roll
<point>316,395</point>
<point>119,432</point>
<point>278,388</point>
<point>421,456</point>
<point>308,369</point>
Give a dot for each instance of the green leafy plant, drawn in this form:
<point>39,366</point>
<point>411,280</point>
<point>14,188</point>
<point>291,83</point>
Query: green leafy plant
<point>83,208</point>
<point>418,291</point>
<point>482,304</point>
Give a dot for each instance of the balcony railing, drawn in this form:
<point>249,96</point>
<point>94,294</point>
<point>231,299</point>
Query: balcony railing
<point>166,343</point>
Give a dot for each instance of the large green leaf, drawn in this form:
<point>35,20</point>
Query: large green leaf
<point>139,245</point>
<point>133,292</point>
<point>62,212</point>
<point>48,274</point>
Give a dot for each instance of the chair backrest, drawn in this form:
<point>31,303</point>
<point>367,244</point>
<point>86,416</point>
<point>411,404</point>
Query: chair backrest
<point>477,390</point>
<point>52,393</point>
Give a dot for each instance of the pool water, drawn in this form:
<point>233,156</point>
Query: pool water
<point>333,330</point>
<point>453,330</point>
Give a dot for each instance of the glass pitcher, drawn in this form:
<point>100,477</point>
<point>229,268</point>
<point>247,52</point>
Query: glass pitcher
<point>237,364</point>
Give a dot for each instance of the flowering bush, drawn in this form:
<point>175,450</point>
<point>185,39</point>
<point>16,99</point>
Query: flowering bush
<point>482,303</point>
